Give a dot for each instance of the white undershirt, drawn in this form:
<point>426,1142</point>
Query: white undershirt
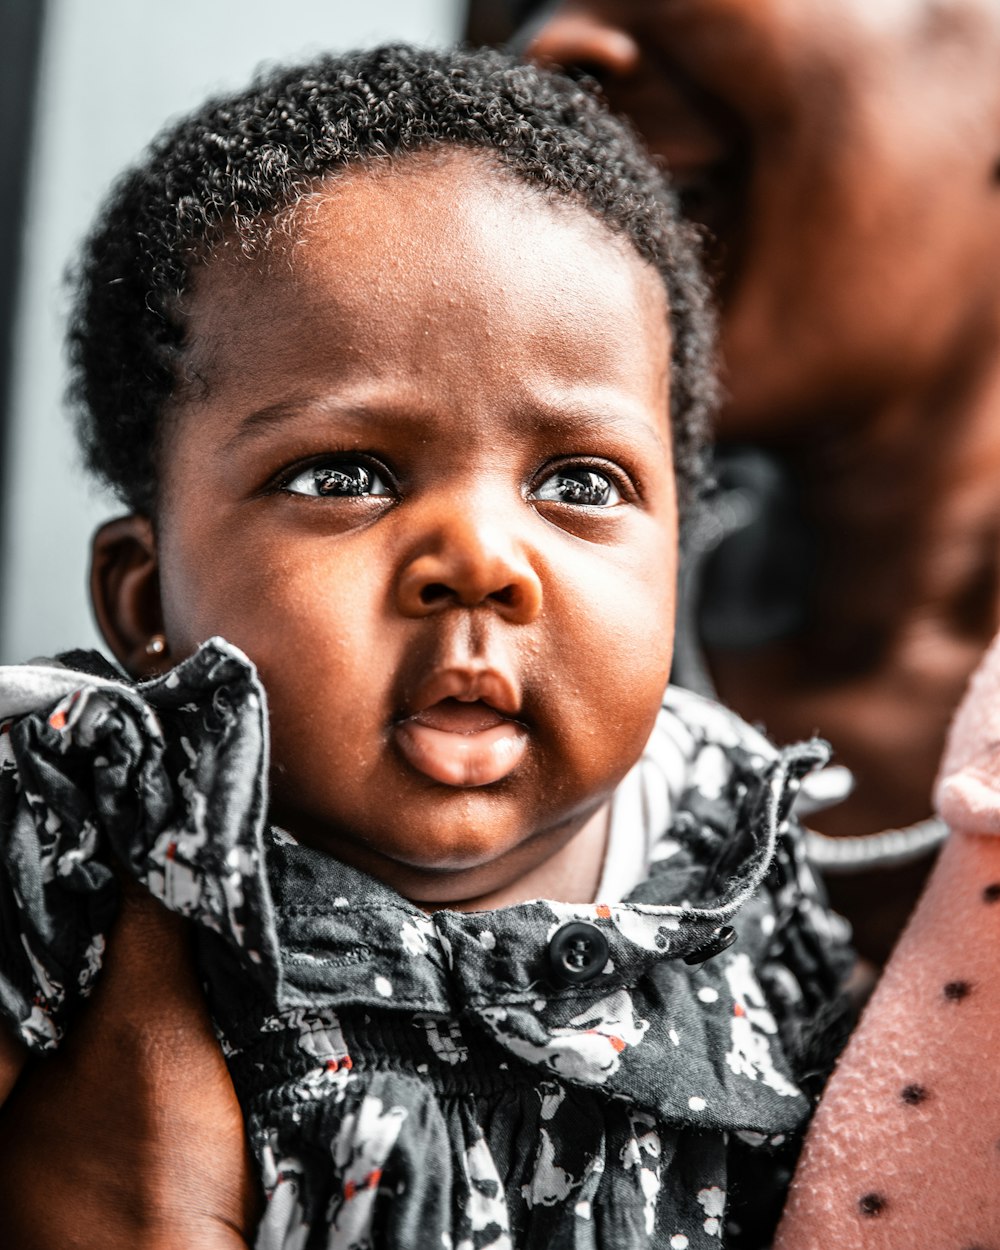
<point>641,809</point>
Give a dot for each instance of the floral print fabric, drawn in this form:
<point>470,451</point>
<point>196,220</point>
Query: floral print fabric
<point>414,1080</point>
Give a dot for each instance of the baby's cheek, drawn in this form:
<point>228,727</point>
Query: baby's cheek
<point>640,657</point>
<point>611,705</point>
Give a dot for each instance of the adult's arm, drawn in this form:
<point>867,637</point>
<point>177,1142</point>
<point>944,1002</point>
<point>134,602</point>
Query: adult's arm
<point>131,1135</point>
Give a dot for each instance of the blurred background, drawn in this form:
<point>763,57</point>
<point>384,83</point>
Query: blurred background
<point>84,85</point>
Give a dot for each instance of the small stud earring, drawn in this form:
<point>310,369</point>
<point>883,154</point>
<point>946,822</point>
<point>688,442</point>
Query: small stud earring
<point>156,645</point>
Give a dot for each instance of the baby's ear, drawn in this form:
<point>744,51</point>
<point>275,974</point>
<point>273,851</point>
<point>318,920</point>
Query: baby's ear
<point>125,593</point>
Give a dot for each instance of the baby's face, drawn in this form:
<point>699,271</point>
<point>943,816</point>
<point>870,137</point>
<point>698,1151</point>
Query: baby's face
<point>427,487</point>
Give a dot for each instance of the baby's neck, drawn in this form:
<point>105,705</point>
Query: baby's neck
<point>571,875</point>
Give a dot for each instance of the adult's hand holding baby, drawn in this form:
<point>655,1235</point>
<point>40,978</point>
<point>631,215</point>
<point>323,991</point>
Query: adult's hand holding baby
<point>905,1147</point>
<point>131,1135</point>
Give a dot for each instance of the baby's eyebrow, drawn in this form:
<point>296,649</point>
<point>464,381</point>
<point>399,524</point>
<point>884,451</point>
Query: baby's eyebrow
<point>588,418</point>
<point>584,417</point>
<point>261,420</point>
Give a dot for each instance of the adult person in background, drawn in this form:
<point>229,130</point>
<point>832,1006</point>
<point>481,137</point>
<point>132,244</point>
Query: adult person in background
<point>844,157</point>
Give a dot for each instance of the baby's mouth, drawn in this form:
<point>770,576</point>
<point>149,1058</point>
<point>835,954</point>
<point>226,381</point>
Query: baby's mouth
<point>460,742</point>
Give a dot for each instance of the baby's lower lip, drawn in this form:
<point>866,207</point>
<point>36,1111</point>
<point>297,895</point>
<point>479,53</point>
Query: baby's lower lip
<point>461,744</point>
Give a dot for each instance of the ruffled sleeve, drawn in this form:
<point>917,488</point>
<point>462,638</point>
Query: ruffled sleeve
<point>90,786</point>
<point>800,949</point>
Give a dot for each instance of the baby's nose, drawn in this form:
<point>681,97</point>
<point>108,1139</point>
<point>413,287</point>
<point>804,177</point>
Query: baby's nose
<point>468,566</point>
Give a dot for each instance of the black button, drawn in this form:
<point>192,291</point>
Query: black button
<point>721,940</point>
<point>577,952</point>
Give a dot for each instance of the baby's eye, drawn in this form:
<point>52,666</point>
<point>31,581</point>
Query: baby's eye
<point>325,481</point>
<point>578,485</point>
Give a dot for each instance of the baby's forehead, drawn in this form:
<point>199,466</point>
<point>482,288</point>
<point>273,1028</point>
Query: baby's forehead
<point>467,192</point>
<point>450,245</point>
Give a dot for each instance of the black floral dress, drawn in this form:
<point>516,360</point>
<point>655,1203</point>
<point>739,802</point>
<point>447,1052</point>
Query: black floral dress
<point>622,1074</point>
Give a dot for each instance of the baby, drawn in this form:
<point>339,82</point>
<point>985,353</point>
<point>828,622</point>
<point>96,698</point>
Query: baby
<point>401,364</point>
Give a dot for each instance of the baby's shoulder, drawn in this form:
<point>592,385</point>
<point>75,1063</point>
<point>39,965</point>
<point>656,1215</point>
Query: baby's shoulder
<point>696,721</point>
<point>735,835</point>
<point>163,781</point>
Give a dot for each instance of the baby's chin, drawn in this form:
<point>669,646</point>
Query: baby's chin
<point>477,858</point>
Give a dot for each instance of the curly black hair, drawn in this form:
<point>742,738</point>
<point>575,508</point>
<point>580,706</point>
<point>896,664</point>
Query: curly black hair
<point>239,162</point>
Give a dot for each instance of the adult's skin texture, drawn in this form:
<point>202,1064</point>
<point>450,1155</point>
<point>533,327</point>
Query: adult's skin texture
<point>131,1137</point>
<point>846,156</point>
<point>427,485</point>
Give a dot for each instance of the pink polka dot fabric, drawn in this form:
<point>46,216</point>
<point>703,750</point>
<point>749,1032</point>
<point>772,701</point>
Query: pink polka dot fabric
<point>904,1150</point>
